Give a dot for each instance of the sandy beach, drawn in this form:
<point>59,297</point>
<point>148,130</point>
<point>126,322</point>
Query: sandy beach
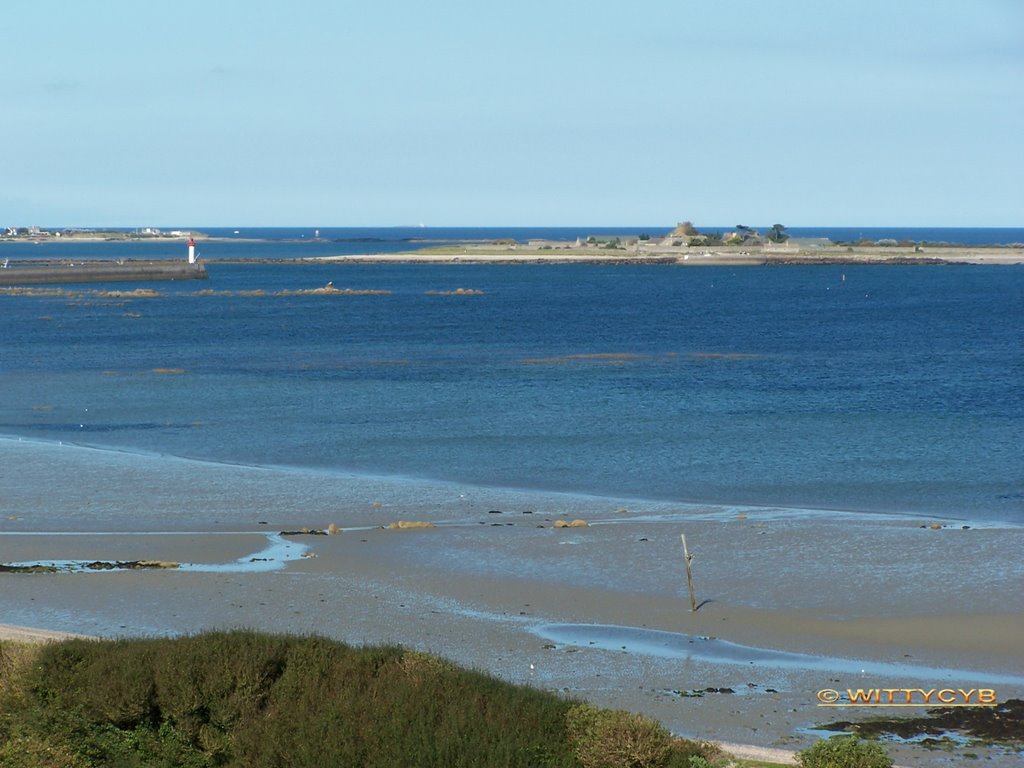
<point>865,601</point>
<point>32,634</point>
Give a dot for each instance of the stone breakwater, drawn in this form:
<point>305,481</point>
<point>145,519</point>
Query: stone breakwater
<point>60,272</point>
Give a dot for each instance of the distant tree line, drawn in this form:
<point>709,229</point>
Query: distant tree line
<point>741,235</point>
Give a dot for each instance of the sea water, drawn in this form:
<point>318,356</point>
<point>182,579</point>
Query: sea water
<point>865,388</point>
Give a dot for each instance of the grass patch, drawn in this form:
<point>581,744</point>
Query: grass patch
<point>844,752</point>
<point>251,699</point>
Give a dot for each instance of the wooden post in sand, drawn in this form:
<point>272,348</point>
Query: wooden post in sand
<point>688,558</point>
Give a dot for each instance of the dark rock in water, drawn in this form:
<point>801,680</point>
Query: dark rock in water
<point>527,512</point>
<point>128,565</point>
<point>494,512</point>
<point>36,568</point>
<point>1003,723</point>
<point>305,532</point>
<point>136,564</point>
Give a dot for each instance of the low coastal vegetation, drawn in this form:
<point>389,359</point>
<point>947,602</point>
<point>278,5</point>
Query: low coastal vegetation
<point>245,698</point>
<point>250,699</point>
<point>845,752</point>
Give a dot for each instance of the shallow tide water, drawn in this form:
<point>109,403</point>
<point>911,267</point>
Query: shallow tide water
<point>887,389</point>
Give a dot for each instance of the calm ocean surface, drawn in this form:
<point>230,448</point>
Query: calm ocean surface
<point>874,388</point>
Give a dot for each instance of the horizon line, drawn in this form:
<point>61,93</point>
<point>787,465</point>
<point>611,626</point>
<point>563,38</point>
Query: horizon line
<point>656,227</point>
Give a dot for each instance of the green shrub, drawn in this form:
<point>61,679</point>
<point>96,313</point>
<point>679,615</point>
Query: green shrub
<point>36,751</point>
<point>845,752</point>
<point>603,738</point>
<point>254,700</point>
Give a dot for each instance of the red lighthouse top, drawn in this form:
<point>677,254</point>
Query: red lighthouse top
<point>191,242</point>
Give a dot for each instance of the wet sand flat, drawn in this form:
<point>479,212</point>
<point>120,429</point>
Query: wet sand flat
<point>879,594</point>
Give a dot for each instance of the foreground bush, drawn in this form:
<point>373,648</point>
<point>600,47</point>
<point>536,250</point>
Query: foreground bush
<point>603,738</point>
<point>254,700</point>
<point>845,752</point>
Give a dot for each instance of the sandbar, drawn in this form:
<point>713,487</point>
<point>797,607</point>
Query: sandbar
<point>565,253</point>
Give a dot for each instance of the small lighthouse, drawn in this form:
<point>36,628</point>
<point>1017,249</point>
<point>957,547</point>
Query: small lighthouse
<point>191,250</point>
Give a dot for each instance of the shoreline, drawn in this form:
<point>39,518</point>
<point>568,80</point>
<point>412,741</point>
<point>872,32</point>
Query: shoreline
<point>18,634</point>
<point>480,586</point>
<point>563,252</point>
<point>421,610</point>
<point>559,252</point>
<point>717,509</point>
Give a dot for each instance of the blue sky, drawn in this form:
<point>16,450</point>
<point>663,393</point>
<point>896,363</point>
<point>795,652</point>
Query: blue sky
<point>336,113</point>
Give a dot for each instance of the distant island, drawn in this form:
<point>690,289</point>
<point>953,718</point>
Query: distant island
<point>39,234</point>
<point>682,245</point>
<point>686,245</point>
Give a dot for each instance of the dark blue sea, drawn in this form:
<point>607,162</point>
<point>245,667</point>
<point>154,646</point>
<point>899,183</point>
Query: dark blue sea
<point>896,389</point>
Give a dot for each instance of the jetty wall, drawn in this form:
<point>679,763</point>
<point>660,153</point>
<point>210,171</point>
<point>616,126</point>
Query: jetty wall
<point>121,271</point>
